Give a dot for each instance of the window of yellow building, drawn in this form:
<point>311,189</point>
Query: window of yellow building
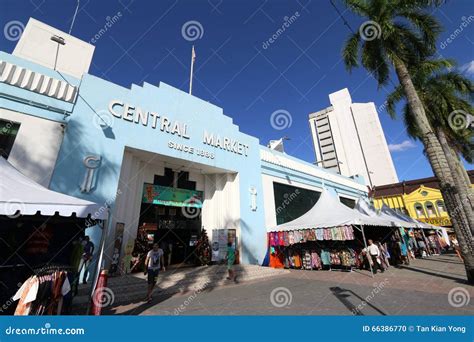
<point>419,210</point>
<point>440,206</point>
<point>430,209</point>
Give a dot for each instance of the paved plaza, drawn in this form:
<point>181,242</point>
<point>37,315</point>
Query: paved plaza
<point>434,286</point>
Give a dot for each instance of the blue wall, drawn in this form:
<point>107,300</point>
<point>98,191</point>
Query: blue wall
<point>85,136</point>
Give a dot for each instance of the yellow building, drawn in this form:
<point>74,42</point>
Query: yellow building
<point>421,199</point>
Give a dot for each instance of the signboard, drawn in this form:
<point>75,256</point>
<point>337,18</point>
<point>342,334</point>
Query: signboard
<point>137,115</point>
<point>175,197</point>
<point>219,244</point>
<point>220,238</point>
<point>437,221</point>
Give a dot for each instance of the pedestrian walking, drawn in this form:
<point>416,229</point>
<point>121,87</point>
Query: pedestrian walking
<point>153,262</point>
<point>86,259</point>
<point>230,262</point>
<point>456,247</point>
<point>421,246</point>
<point>404,253</point>
<point>374,254</point>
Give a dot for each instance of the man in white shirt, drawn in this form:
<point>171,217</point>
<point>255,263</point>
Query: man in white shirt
<point>153,263</point>
<point>374,255</point>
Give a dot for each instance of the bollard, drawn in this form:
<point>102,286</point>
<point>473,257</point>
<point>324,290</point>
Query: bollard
<point>98,294</point>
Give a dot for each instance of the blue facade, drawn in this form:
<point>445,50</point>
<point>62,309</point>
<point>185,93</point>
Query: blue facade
<point>106,119</point>
<point>84,136</point>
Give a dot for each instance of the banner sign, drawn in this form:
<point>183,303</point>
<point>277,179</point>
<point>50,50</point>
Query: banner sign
<point>437,221</point>
<point>174,197</point>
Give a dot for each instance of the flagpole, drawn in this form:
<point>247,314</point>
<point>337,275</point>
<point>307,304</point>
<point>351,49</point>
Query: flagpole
<point>191,74</point>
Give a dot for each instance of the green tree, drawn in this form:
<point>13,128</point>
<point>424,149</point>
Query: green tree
<point>443,91</point>
<point>400,34</point>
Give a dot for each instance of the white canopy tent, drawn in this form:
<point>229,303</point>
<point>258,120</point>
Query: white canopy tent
<point>20,195</point>
<point>329,212</point>
<point>386,209</point>
<point>363,206</point>
<point>409,220</point>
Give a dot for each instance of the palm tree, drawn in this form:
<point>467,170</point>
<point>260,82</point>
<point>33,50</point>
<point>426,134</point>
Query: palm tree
<point>442,91</point>
<point>398,34</point>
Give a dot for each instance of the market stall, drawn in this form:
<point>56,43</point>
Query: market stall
<point>40,243</point>
<point>322,238</point>
<point>411,238</point>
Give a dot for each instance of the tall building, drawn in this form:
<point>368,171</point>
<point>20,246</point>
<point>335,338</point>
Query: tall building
<point>349,140</point>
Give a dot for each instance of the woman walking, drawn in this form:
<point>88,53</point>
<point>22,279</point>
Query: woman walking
<point>456,247</point>
<point>230,262</point>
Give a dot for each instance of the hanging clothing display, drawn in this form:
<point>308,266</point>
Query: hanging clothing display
<point>42,294</point>
<point>300,249</point>
<point>285,239</point>
<point>27,295</point>
<point>316,259</point>
<point>325,257</point>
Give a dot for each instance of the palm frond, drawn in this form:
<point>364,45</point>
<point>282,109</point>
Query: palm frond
<point>350,52</point>
<point>410,123</point>
<point>393,98</point>
<point>374,61</point>
<point>425,23</point>
<point>359,7</point>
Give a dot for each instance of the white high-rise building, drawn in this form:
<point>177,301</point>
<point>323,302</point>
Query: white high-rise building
<point>348,138</point>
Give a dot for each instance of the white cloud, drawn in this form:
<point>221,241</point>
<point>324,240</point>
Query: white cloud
<point>403,146</point>
<point>468,68</point>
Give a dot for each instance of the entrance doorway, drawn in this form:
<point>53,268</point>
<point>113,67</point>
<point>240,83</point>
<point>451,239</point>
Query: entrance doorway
<point>171,217</point>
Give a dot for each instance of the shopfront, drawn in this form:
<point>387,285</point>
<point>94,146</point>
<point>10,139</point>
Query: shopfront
<point>171,217</point>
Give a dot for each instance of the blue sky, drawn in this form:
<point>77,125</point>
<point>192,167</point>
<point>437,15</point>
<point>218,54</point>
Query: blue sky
<point>234,69</point>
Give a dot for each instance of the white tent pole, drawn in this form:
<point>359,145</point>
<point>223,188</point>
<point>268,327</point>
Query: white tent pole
<point>100,259</point>
<point>367,254</point>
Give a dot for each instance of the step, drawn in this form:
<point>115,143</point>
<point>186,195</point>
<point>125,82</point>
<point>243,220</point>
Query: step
<point>132,287</point>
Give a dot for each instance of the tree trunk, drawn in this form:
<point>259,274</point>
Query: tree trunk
<point>462,188</point>
<point>439,164</point>
<point>463,172</point>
